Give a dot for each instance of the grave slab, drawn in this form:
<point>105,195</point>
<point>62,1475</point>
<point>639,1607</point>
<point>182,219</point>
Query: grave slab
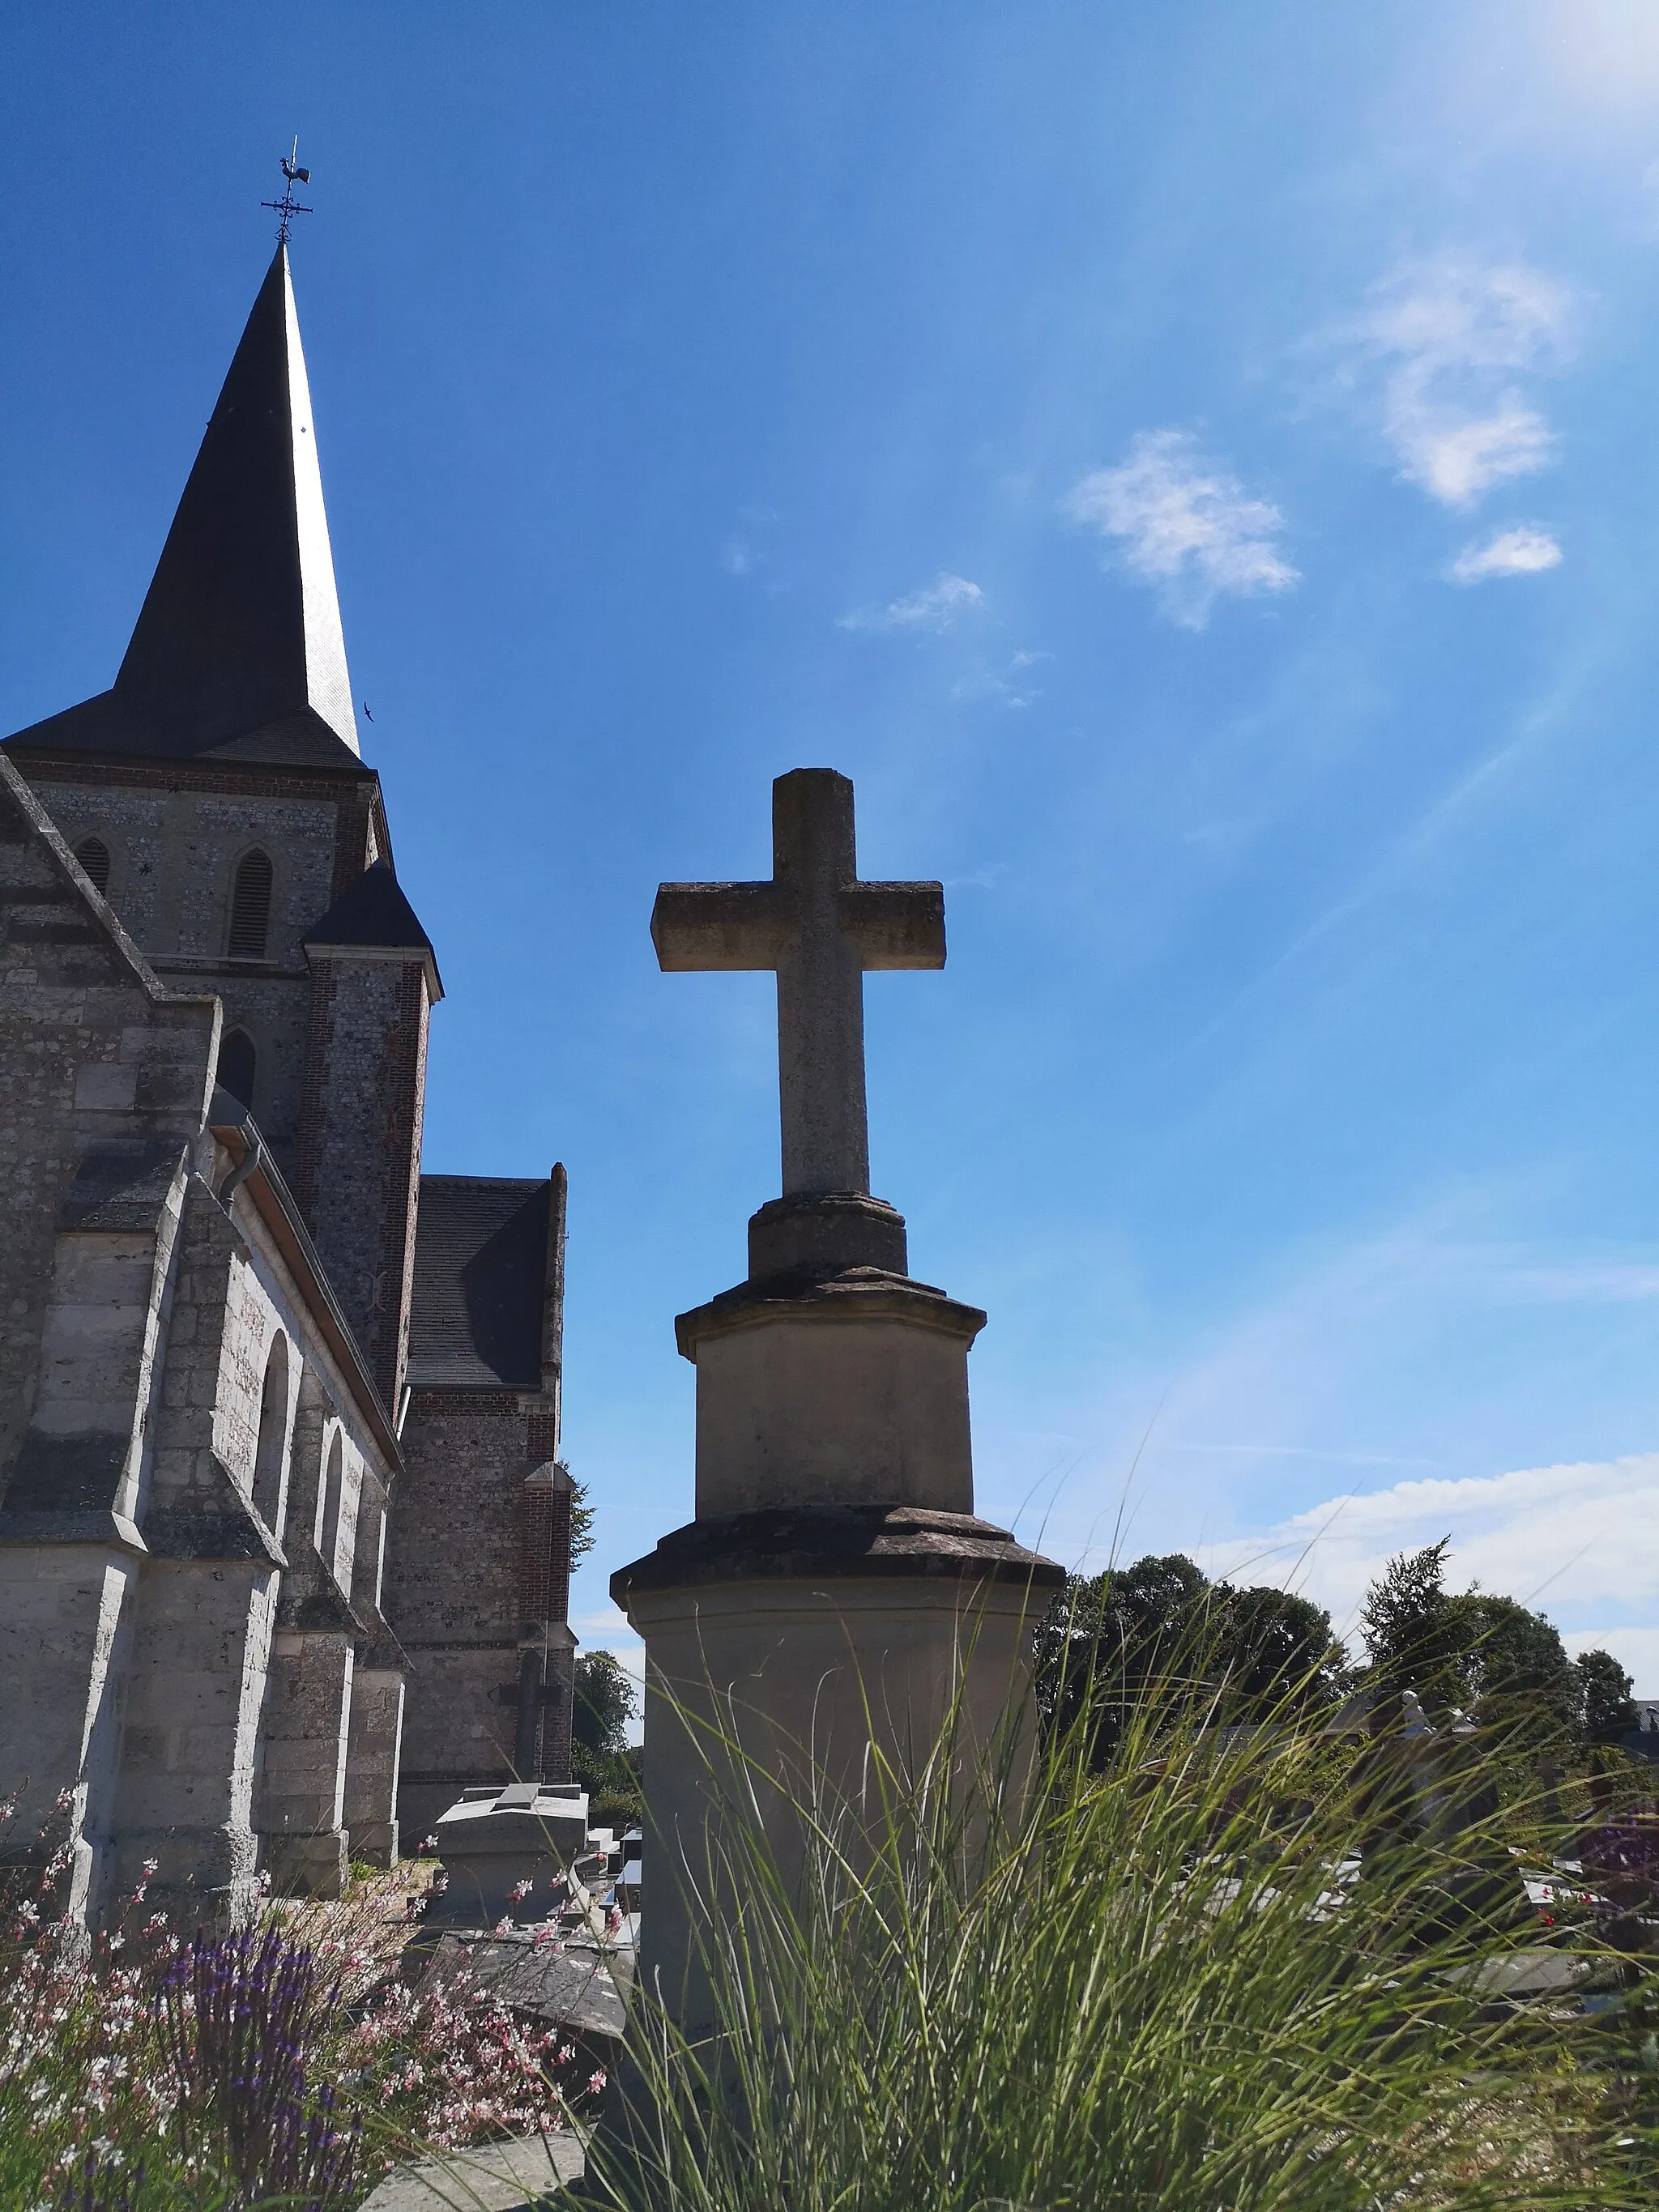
<point>509,2177</point>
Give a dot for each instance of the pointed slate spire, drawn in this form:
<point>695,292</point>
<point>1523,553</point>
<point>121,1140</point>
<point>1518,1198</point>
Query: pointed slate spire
<point>242,624</point>
<point>237,653</point>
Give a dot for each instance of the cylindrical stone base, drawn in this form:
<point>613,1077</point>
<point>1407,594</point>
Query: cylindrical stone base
<point>780,1649</point>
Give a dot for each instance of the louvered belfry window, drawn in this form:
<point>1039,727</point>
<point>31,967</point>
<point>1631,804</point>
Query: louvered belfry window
<point>93,854</point>
<point>250,907</point>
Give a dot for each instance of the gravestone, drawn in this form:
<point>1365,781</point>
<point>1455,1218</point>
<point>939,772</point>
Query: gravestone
<point>506,1852</point>
<point>834,1587</point>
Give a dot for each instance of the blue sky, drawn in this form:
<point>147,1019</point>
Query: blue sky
<point>1196,468</point>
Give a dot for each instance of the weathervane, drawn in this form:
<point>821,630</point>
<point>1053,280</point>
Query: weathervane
<point>288,206</point>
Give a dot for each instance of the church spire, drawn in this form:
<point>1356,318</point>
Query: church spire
<point>238,654</point>
<point>241,625</point>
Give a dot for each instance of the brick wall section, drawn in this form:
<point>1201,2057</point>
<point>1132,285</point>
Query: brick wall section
<point>544,1608</point>
<point>358,1180</point>
<point>478,1564</point>
<point>452,1571</point>
<point>451,1594</point>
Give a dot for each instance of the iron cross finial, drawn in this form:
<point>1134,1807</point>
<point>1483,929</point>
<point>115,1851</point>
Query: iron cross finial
<point>288,207</point>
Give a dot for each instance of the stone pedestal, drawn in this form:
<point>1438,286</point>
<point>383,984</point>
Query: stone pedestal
<point>836,1589</point>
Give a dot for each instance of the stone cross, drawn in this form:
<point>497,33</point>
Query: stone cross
<point>819,928</point>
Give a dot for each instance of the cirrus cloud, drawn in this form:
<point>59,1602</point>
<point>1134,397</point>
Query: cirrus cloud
<point>1185,524</point>
<point>933,609</point>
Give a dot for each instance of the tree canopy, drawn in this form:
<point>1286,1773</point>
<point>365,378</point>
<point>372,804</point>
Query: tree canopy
<point>1604,1707</point>
<point>1161,1629</point>
<point>1485,1653</point>
<point>604,1703</point>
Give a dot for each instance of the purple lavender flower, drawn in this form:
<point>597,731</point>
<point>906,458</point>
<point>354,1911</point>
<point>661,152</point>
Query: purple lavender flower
<point>236,2018</point>
<point>85,2189</point>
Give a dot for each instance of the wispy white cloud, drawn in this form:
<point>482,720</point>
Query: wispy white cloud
<point>1523,551</point>
<point>1450,338</point>
<point>1584,1536</point>
<point>744,553</point>
<point>1185,524</point>
<point>935,608</point>
<point>1009,687</point>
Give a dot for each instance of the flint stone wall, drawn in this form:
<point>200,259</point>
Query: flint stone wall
<point>174,842</point>
<point>453,1588</point>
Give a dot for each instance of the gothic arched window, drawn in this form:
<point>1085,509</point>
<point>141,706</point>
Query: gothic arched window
<point>238,1063</point>
<point>273,1434</point>
<point>250,907</point>
<point>93,854</point>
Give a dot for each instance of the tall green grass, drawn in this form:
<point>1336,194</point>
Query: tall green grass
<point>1231,1973</point>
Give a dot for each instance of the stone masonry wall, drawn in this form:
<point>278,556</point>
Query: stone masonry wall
<point>139,1587</point>
<point>89,1052</point>
<point>360,1158</point>
<point>175,837</point>
<point>452,1594</point>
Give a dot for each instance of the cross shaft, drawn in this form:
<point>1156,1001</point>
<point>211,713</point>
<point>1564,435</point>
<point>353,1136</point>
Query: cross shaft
<point>820,929</point>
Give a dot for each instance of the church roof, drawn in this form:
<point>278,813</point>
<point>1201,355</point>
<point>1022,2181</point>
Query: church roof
<point>374,912</point>
<point>481,1269</point>
<point>238,654</point>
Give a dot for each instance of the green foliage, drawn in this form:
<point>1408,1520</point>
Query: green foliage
<point>1153,1634</point>
<point>1270,1646</point>
<point>601,1758</point>
<point>1404,1623</point>
<point>1179,1983</point>
<point>616,1798</point>
<point>581,1523</point>
<point>1511,1665</point>
<point>1602,1699</point>
<point>1485,1653</point>
<point>605,1702</point>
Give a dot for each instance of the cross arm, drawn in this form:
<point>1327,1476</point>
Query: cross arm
<point>697,927</point>
<point>895,925</point>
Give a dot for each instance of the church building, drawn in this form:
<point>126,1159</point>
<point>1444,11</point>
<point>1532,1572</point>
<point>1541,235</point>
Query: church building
<point>284,1535</point>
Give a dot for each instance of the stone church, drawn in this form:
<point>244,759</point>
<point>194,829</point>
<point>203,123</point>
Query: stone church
<point>284,1535</point>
